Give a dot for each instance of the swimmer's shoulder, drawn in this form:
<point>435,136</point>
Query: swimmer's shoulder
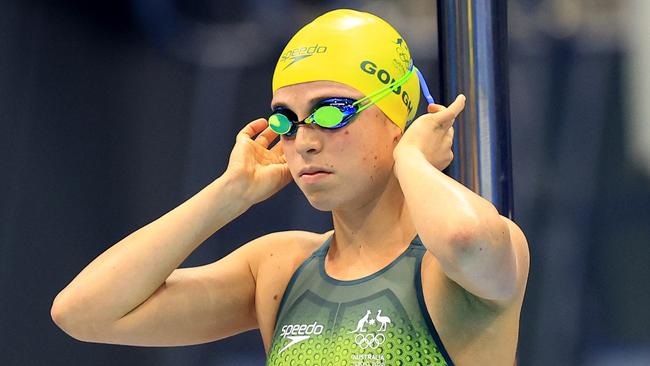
<point>285,249</point>
<point>273,259</point>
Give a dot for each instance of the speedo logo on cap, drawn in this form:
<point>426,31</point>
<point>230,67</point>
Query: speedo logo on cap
<point>385,78</point>
<point>301,53</point>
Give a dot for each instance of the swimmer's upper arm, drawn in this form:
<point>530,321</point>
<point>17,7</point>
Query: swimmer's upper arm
<point>194,305</point>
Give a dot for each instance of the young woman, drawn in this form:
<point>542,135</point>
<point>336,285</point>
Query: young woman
<point>417,269</point>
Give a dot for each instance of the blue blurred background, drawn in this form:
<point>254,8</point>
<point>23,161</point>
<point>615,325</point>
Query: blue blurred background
<point>114,112</point>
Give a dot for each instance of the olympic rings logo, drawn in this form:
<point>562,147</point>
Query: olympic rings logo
<point>369,340</point>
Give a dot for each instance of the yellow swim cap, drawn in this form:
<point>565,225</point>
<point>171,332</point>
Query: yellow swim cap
<point>357,49</point>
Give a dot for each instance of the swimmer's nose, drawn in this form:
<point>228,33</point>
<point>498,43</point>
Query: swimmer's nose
<point>308,139</point>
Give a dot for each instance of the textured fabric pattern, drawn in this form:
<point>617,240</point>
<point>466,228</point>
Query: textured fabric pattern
<point>373,321</point>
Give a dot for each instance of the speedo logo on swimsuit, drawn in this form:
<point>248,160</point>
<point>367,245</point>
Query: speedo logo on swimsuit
<point>385,78</point>
<point>297,333</point>
<point>301,53</point>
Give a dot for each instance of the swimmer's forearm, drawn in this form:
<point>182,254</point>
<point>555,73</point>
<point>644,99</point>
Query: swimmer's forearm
<point>462,229</point>
<point>436,198</point>
<point>129,272</point>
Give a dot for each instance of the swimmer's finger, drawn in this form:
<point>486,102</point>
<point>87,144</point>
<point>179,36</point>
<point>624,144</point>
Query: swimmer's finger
<point>435,108</point>
<point>457,106</point>
<point>253,128</point>
<point>447,116</point>
<point>266,137</point>
<point>277,148</point>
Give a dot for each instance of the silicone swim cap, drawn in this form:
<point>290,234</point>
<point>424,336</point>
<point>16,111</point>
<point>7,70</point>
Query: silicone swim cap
<point>355,48</point>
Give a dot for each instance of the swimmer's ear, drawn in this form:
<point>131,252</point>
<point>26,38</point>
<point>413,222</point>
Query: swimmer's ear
<point>395,131</point>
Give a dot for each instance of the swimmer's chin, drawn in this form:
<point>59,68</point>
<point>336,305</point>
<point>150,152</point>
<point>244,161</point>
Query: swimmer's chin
<point>321,202</point>
<point>321,206</point>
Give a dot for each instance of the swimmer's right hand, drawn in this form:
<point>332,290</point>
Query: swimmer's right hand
<point>259,172</point>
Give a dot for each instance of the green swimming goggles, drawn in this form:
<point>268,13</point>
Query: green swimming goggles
<point>335,113</point>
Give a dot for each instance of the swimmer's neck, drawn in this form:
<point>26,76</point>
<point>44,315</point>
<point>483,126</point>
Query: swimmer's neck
<point>381,225</point>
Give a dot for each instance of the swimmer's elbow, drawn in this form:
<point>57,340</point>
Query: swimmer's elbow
<point>489,266</point>
<point>71,321</point>
<point>480,258</point>
<point>62,317</point>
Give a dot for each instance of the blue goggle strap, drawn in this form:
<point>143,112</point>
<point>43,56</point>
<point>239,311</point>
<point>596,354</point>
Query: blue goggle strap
<point>424,87</point>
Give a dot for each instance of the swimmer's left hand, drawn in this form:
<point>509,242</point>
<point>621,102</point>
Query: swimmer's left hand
<point>432,134</point>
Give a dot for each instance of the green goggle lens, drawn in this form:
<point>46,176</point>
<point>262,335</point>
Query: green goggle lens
<point>279,123</point>
<point>325,116</point>
<point>328,116</point>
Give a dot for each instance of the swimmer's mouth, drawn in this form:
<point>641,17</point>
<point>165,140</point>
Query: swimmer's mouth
<point>312,170</point>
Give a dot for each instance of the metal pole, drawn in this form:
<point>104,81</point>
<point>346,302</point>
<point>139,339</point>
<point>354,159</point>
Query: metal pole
<point>473,38</point>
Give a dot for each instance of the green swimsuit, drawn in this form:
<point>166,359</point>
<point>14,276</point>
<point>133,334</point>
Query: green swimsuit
<point>377,320</point>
